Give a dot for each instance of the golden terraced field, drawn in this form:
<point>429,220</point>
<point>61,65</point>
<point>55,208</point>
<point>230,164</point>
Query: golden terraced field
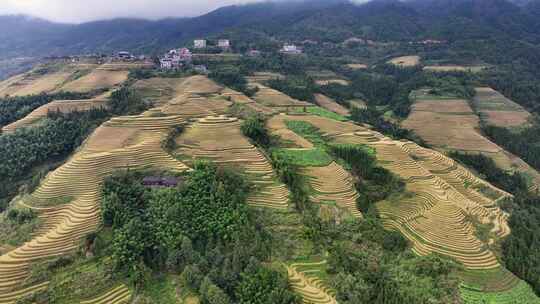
<point>443,196</point>
<point>35,82</point>
<point>137,145</point>
<point>219,139</point>
<point>444,201</point>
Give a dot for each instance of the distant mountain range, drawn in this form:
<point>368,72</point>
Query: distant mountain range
<point>327,20</point>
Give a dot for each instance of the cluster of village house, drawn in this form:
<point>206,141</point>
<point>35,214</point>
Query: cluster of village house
<point>183,57</point>
<point>178,58</point>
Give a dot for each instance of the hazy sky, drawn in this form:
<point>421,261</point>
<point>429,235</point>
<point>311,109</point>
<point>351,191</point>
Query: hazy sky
<point>86,10</point>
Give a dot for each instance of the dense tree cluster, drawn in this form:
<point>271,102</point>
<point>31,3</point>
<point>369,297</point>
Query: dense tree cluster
<point>56,137</point>
<point>371,265</point>
<point>126,101</point>
<point>374,183</point>
<point>254,127</point>
<point>202,230</point>
<point>298,87</point>
<point>233,79</point>
<point>511,182</point>
<point>525,143</point>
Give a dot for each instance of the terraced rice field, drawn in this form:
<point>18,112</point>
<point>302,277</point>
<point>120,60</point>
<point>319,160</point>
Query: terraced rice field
<point>405,61</point>
<point>304,280</point>
<point>332,81</point>
<point>123,66</point>
<point>495,109</point>
<point>489,281</point>
<point>200,85</point>
<point>122,142</point>
<point>444,196</point>
<point>33,83</point>
<point>273,98</point>
<point>448,123</point>
<point>451,124</point>
<point>240,98</point>
<point>260,77</point>
<point>329,104</point>
<point>436,218</point>
<point>332,183</point>
<point>277,126</point>
<point>205,140</point>
<point>64,106</point>
<point>357,103</point>
<point>159,90</point>
<point>521,293</point>
<point>117,295</point>
<point>356,66</point>
<point>96,80</point>
<point>6,86</point>
<point>455,68</point>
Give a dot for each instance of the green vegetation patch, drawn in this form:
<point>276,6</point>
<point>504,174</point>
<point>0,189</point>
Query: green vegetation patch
<point>17,227</point>
<point>161,289</point>
<point>322,112</point>
<point>316,157</point>
<point>365,148</point>
<point>307,131</point>
<point>489,280</point>
<point>521,293</point>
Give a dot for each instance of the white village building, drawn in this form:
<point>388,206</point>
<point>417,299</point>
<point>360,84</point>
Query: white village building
<point>199,43</point>
<point>224,43</point>
<point>176,58</point>
<point>290,49</point>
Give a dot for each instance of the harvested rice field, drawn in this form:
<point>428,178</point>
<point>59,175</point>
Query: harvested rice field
<point>261,77</point>
<point>123,66</point>
<point>357,103</point>
<point>405,61</point>
<point>159,90</point>
<point>454,68</point>
<point>495,109</point>
<point>304,280</point>
<point>356,66</point>
<point>331,105</point>
<point>201,85</point>
<point>333,183</point>
<point>96,80</point>
<point>273,98</point>
<point>332,81</point>
<point>117,295</point>
<point>448,123</point>
<point>36,82</point>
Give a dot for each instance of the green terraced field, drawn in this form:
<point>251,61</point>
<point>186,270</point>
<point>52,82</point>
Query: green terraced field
<point>306,157</point>
<point>306,130</point>
<point>323,113</point>
<point>520,294</point>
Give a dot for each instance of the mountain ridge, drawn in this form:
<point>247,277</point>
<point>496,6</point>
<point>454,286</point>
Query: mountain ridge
<point>335,21</point>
